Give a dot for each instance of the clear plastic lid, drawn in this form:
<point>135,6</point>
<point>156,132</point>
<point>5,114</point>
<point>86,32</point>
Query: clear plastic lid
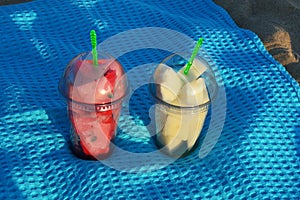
<point>86,83</point>
<point>175,89</point>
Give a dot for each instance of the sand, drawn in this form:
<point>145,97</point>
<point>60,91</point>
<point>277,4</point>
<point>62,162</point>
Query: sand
<point>276,22</point>
<point>7,2</point>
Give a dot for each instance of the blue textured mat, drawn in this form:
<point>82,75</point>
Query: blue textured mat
<point>256,156</point>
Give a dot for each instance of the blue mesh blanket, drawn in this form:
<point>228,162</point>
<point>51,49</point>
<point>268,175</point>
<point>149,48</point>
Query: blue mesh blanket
<point>255,157</point>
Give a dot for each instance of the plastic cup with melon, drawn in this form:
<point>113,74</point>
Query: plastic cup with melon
<point>182,102</point>
<point>94,96</point>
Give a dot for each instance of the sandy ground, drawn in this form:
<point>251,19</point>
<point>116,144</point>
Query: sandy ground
<point>7,2</point>
<point>276,22</point>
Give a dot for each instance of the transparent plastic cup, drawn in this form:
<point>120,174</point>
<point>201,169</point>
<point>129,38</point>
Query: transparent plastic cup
<point>94,96</point>
<point>182,103</point>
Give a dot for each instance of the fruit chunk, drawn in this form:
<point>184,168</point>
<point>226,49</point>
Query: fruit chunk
<point>197,121</point>
<point>95,130</point>
<point>168,83</point>
<point>92,137</point>
<point>172,127</point>
<point>195,71</point>
<point>97,85</point>
<point>170,143</point>
<point>193,93</point>
<point>84,71</point>
<point>175,125</point>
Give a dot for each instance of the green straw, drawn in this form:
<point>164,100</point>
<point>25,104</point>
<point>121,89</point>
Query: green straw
<point>195,52</point>
<point>93,37</point>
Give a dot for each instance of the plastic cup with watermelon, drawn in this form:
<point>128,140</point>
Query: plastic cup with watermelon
<point>94,95</point>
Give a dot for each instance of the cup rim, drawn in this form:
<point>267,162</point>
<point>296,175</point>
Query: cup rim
<point>115,101</point>
<point>204,105</point>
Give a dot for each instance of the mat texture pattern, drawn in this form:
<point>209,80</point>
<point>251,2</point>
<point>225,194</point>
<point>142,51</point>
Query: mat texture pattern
<point>257,155</point>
